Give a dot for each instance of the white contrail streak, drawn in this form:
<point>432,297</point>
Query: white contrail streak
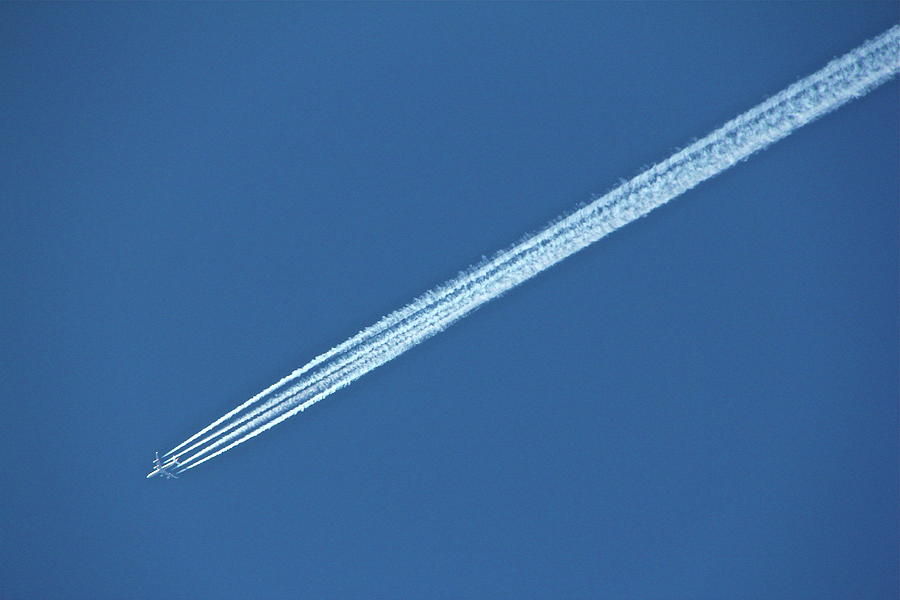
<point>841,80</point>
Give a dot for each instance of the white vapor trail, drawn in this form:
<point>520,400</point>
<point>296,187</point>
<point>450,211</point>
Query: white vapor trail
<point>841,80</point>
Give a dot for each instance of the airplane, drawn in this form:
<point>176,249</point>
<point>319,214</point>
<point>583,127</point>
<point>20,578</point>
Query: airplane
<point>161,469</point>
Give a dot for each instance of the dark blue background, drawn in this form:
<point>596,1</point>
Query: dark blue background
<point>196,199</point>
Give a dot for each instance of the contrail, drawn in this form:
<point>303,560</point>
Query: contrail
<point>840,81</point>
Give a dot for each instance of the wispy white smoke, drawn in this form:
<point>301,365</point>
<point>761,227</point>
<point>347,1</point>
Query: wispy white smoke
<point>843,79</point>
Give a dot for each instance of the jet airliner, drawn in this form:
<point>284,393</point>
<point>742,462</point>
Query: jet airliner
<point>163,469</point>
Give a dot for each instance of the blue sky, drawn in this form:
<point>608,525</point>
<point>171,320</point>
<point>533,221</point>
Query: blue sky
<point>199,198</point>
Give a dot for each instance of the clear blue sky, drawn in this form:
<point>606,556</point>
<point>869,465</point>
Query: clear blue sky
<point>196,199</point>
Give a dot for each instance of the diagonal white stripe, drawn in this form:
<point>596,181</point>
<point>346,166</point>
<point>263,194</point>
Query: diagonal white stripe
<point>843,79</point>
